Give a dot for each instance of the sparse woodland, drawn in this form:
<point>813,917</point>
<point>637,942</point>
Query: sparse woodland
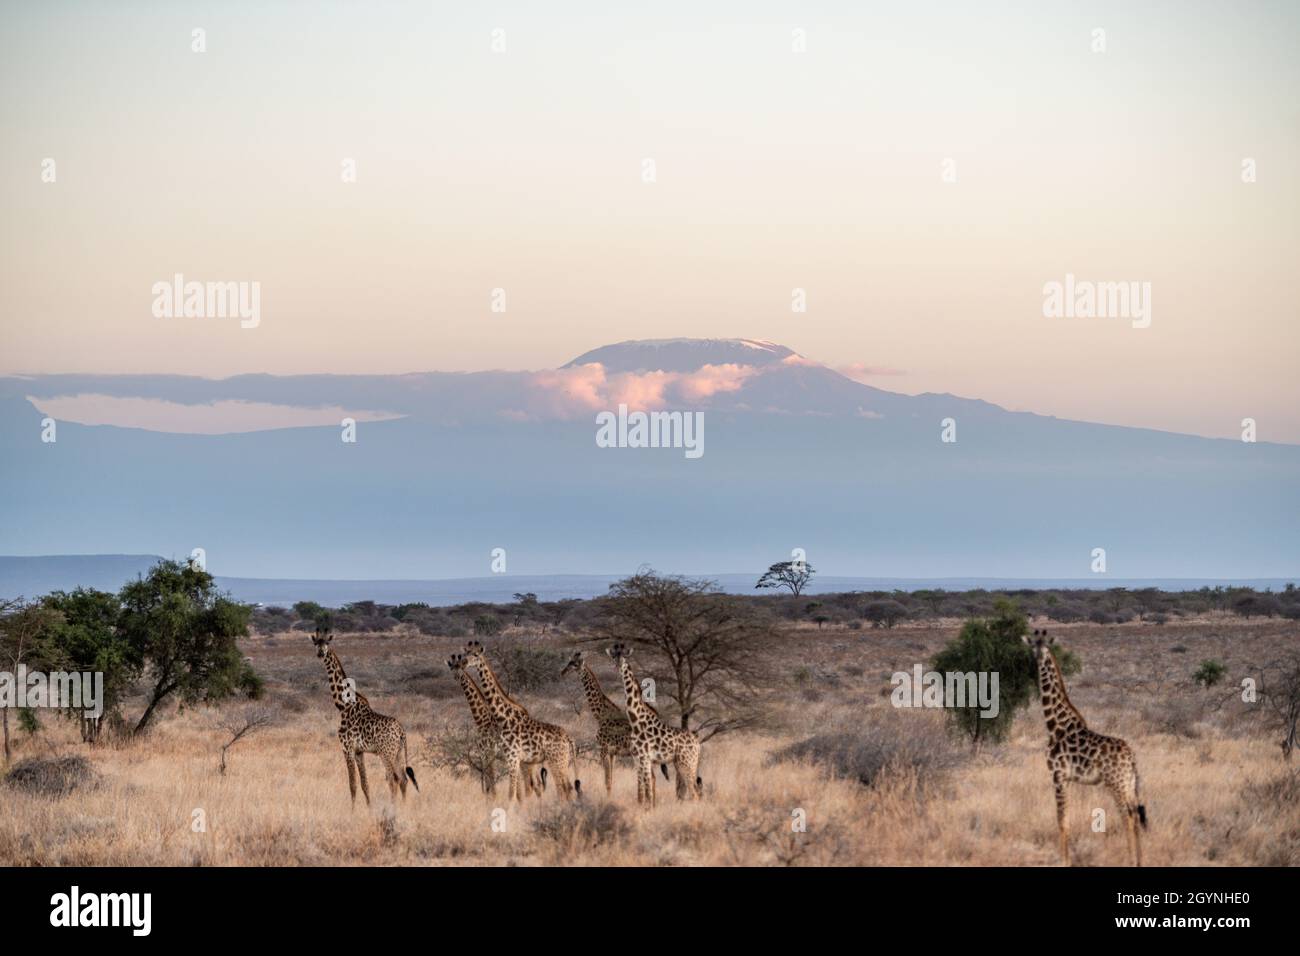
<point>804,762</point>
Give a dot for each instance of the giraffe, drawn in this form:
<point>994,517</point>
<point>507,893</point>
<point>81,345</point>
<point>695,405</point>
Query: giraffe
<point>361,730</point>
<point>1076,754</point>
<point>653,740</point>
<point>613,731</point>
<point>481,711</point>
<point>526,739</point>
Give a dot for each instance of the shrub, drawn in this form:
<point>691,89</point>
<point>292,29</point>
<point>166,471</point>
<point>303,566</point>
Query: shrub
<point>884,613</point>
<point>988,645</point>
<point>52,776</point>
<point>867,750</point>
<point>1209,673</point>
<point>583,825</point>
<point>487,625</point>
<point>525,669</point>
<point>1065,613</point>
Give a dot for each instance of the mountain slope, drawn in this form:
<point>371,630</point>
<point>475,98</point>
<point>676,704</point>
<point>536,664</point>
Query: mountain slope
<point>795,456</point>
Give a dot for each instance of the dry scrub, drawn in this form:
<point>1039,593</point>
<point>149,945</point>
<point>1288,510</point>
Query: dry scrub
<point>875,785</point>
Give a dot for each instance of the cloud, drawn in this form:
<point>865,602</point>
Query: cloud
<point>711,379</point>
<point>798,359</point>
<point>212,418</point>
<point>575,392</point>
<point>861,372</point>
<point>640,390</point>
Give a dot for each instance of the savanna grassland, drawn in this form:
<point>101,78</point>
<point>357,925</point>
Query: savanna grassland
<point>906,792</point>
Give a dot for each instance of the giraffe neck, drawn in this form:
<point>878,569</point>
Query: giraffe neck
<point>597,702</point>
<point>635,703</point>
<point>1059,713</point>
<point>479,707</point>
<point>338,679</point>
<point>501,703</point>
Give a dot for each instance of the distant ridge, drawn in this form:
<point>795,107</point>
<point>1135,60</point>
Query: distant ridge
<point>34,576</point>
<point>22,576</point>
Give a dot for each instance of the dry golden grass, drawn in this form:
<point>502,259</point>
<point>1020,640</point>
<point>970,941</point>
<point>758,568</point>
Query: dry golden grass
<point>1206,773</point>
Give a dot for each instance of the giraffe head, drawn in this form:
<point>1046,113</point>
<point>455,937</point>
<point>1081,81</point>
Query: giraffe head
<point>473,656</point>
<point>456,662</point>
<point>322,639</point>
<point>575,662</point>
<point>1039,643</point>
<point>619,653</point>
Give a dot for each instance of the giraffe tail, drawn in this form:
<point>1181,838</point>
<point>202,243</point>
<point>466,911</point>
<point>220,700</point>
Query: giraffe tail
<point>1142,815</point>
<point>406,756</point>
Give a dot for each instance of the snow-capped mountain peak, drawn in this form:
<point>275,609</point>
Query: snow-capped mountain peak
<point>683,354</point>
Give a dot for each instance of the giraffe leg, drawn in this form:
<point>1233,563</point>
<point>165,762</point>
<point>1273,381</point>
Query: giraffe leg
<point>645,781</point>
<point>391,767</point>
<point>516,784</point>
<point>1062,825</point>
<point>361,772</point>
<point>607,758</point>
<point>1128,804</point>
<point>352,775</point>
<point>1134,841</point>
<point>532,784</point>
<point>684,773</point>
<point>564,786</point>
<point>688,775</point>
<point>402,764</point>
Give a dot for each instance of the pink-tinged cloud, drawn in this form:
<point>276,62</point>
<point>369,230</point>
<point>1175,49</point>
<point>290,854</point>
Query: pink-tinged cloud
<point>709,380</point>
<point>860,372</point>
<point>567,392</point>
<point>576,392</point>
<point>798,359</point>
<point>640,390</point>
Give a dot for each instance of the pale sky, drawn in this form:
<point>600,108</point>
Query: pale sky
<point>775,170</point>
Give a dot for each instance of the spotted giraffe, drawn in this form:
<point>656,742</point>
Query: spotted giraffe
<point>613,731</point>
<point>526,740</point>
<point>481,711</point>
<point>653,741</point>
<point>1076,754</point>
<point>361,730</point>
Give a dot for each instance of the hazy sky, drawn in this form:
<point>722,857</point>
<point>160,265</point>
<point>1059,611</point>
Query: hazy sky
<point>776,170</point>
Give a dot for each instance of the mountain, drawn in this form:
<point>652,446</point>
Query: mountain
<point>795,455</point>
<point>683,355</point>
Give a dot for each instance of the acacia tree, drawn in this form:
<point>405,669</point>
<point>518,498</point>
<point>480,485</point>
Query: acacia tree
<point>25,638</point>
<point>185,631</point>
<point>1279,691</point>
<point>794,575</point>
<point>706,649</point>
<point>87,636</point>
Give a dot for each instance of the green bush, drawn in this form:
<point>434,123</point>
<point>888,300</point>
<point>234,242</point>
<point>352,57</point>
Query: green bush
<point>1209,673</point>
<point>991,645</point>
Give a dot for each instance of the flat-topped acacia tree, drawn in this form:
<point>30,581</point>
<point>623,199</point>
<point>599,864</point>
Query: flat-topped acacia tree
<point>185,631</point>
